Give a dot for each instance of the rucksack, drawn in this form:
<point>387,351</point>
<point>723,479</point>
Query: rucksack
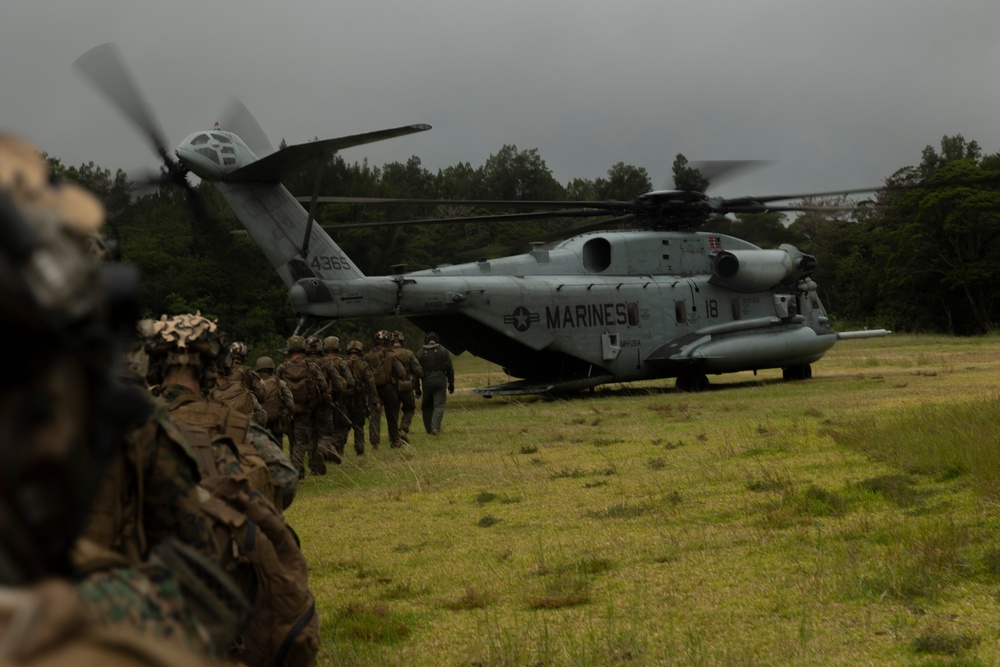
<point>233,394</point>
<point>261,552</point>
<point>298,374</point>
<point>272,401</point>
<point>380,360</point>
<point>203,422</point>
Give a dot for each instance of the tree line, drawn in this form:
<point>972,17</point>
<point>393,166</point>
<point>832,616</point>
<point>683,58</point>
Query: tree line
<point>922,254</point>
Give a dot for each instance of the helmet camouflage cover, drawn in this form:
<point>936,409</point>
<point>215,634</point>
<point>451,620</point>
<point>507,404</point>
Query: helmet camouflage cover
<point>264,364</point>
<point>398,336</point>
<point>314,345</point>
<point>186,339</point>
<point>331,344</point>
<point>239,350</point>
<point>296,344</point>
<point>382,337</point>
<point>355,346</point>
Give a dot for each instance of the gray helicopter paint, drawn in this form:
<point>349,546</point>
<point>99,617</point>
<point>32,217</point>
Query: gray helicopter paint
<point>630,305</point>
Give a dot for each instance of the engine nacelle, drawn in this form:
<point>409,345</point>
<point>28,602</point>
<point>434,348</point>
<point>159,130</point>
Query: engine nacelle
<point>760,270</point>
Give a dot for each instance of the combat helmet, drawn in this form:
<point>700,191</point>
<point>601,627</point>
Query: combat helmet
<point>67,318</point>
<point>397,337</point>
<point>186,340</point>
<point>331,344</point>
<point>264,364</point>
<point>431,336</point>
<point>382,337</point>
<point>355,346</point>
<point>314,345</point>
<point>239,351</point>
<point>296,344</point>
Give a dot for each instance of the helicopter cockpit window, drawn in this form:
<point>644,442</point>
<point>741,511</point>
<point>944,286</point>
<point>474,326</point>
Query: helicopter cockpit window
<point>596,255</point>
<point>200,139</point>
<point>221,138</point>
<point>680,312</point>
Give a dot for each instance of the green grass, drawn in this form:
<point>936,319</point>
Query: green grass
<point>850,519</point>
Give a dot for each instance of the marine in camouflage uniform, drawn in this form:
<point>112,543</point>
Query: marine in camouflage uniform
<point>258,545</point>
<point>187,347</point>
<point>364,402</point>
<point>240,372</point>
<point>278,399</point>
<point>323,414</point>
<point>407,402</point>
<point>341,401</point>
<point>239,386</point>
<point>57,315</point>
<point>388,372</point>
<point>304,439</point>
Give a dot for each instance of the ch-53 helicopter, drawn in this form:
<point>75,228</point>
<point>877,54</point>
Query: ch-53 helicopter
<point>601,307</point>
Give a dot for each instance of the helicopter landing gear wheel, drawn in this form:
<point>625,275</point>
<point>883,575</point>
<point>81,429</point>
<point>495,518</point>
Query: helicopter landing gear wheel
<point>803,372</point>
<point>692,382</point>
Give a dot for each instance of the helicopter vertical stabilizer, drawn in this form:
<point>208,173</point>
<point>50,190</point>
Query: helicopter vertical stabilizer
<point>277,223</point>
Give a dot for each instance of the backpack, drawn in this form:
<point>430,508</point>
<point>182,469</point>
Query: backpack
<point>261,553</point>
<point>272,402</point>
<point>204,422</point>
<point>298,375</point>
<point>334,380</point>
<point>233,394</point>
<point>380,360</point>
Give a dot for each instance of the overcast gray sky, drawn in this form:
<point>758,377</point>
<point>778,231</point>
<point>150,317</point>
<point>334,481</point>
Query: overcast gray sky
<point>838,94</point>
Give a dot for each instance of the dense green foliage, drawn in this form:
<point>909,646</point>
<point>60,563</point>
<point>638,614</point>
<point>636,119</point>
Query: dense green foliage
<point>927,258</point>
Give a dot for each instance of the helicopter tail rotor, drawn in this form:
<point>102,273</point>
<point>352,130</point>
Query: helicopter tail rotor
<point>104,67</point>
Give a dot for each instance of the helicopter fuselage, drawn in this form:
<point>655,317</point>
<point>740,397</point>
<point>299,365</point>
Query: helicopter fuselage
<point>629,305</point>
<point>610,306</point>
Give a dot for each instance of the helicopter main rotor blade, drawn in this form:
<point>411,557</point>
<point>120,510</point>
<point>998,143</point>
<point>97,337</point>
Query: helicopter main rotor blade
<point>993,179</point>
<point>789,209</point>
<point>485,203</point>
<point>747,201</point>
<point>105,68</point>
<point>538,215</point>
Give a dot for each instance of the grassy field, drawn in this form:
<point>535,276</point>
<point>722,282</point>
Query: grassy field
<point>850,519</point>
